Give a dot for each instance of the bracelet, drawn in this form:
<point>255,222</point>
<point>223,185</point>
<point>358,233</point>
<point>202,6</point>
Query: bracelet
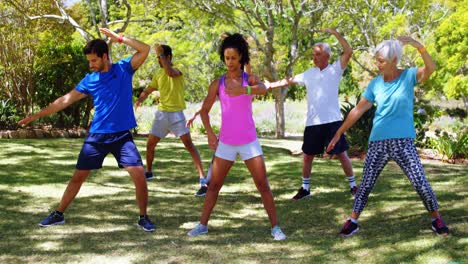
<point>422,50</point>
<point>249,89</point>
<point>120,38</point>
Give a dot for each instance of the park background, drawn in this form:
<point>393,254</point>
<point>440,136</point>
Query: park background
<point>41,59</point>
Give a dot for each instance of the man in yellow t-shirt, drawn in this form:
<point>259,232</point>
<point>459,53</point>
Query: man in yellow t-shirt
<point>170,116</point>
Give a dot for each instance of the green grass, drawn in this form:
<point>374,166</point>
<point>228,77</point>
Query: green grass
<point>101,221</point>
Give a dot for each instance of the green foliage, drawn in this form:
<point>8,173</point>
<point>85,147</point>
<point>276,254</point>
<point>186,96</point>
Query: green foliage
<point>57,70</point>
<point>8,115</point>
<point>424,114</point>
<point>451,46</point>
<point>451,146</point>
<point>358,134</point>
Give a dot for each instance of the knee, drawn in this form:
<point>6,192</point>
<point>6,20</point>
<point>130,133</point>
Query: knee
<point>215,186</point>
<point>263,186</point>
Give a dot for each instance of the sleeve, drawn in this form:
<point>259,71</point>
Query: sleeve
<point>154,81</point>
<point>299,79</point>
<point>82,86</point>
<point>337,66</point>
<point>369,92</point>
<point>412,76</point>
<point>127,65</point>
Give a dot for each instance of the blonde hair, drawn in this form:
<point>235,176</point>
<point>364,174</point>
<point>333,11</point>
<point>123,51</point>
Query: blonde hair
<point>389,49</point>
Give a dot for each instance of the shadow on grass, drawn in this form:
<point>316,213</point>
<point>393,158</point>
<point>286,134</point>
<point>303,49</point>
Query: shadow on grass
<point>101,221</point>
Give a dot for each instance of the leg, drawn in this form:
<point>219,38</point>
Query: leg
<point>406,156</point>
<point>220,169</point>
<point>73,188</point>
<point>150,146</point>
<point>346,164</point>
<point>307,165</point>
<point>187,140</point>
<point>257,169</point>
<point>141,189</point>
<point>348,170</point>
<point>376,159</point>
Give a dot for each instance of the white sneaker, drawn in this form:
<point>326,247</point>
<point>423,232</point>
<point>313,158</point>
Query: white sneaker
<point>199,230</point>
<point>277,233</point>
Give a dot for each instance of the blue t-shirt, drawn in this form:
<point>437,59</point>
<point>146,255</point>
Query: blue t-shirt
<point>112,96</point>
<point>394,115</point>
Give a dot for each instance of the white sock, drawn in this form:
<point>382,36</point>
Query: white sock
<point>305,183</point>
<point>351,181</point>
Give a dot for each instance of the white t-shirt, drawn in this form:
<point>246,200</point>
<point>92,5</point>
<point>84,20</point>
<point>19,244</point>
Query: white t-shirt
<point>322,93</point>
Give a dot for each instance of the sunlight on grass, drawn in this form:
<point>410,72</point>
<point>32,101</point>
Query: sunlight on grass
<point>434,257</point>
<point>101,222</point>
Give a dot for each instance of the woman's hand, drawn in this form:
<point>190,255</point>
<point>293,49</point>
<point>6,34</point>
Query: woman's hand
<point>332,143</point>
<point>407,40</point>
<point>212,141</point>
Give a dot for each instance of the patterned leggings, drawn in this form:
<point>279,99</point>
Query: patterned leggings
<point>403,151</point>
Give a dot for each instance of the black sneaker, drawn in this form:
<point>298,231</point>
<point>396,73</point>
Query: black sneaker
<point>202,191</point>
<point>146,224</point>
<point>354,191</point>
<point>439,227</point>
<point>149,175</point>
<point>53,219</point>
<point>349,229</point>
<point>301,194</point>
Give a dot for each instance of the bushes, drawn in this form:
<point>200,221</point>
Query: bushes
<point>8,115</point>
<point>453,145</point>
<point>358,134</point>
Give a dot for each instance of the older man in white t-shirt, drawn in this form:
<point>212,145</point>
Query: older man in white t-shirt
<point>323,110</point>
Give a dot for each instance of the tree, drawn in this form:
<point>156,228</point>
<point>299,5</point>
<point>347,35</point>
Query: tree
<point>261,21</point>
<point>451,47</point>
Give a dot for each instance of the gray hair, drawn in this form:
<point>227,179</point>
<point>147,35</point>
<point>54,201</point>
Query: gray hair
<point>325,47</point>
<point>389,49</point>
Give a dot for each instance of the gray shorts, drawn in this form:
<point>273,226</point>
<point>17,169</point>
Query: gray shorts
<point>165,122</point>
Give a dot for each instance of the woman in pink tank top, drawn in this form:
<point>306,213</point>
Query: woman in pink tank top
<point>238,134</point>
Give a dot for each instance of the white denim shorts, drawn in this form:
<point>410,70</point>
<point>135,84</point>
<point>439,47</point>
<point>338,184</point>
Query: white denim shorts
<point>165,122</point>
<point>246,151</point>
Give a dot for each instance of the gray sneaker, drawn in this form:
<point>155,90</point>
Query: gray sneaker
<point>277,233</point>
<point>198,230</point>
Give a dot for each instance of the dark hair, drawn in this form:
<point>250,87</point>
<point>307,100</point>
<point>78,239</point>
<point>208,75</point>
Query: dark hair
<point>167,51</point>
<point>96,46</point>
<point>235,41</point>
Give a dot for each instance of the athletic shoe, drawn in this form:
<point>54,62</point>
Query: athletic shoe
<point>439,227</point>
<point>149,175</point>
<point>354,191</point>
<point>202,191</point>
<point>349,229</point>
<point>198,230</point>
<point>277,233</point>
<point>53,219</point>
<point>146,224</point>
<point>301,194</point>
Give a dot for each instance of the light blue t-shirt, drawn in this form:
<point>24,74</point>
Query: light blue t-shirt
<point>394,115</point>
<point>112,96</point>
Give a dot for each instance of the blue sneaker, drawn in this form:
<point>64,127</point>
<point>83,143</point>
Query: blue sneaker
<point>277,234</point>
<point>198,230</point>
<point>53,219</point>
<point>146,224</point>
<point>149,175</point>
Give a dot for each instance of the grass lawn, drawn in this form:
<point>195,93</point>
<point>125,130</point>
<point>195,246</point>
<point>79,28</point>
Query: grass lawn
<point>100,223</point>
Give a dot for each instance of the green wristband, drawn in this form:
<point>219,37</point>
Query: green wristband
<point>249,89</point>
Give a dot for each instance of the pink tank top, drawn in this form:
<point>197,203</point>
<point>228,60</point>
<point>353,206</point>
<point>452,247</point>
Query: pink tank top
<point>237,124</point>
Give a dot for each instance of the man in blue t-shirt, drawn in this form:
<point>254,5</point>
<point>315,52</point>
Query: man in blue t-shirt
<point>110,86</point>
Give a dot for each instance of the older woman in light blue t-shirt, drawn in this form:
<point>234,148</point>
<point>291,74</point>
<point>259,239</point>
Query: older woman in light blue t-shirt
<point>393,132</point>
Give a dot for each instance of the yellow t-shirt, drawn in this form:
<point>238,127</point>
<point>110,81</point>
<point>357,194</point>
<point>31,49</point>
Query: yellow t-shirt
<point>171,91</point>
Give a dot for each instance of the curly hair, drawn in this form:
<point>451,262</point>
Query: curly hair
<point>235,41</point>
